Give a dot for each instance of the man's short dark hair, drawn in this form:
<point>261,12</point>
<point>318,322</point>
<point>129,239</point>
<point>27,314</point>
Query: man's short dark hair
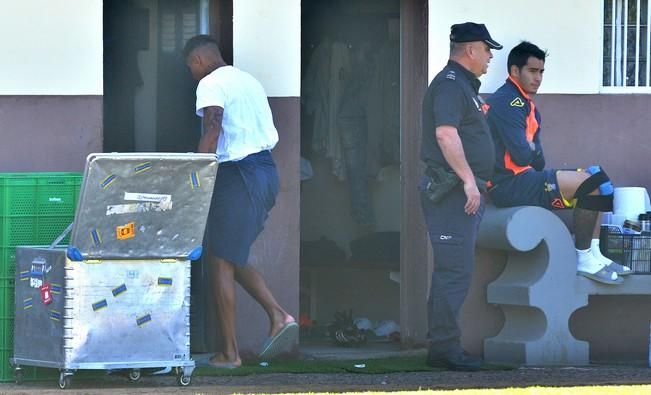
<point>520,54</point>
<point>198,41</point>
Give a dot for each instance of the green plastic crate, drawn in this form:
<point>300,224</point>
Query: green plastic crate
<point>7,263</point>
<point>6,328</point>
<point>38,194</point>
<point>35,208</point>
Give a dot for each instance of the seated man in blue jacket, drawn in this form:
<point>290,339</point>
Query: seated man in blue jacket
<point>520,178</point>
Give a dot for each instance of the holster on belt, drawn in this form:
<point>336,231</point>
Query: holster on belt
<point>442,181</point>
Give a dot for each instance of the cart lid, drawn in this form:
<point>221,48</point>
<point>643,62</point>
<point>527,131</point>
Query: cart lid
<point>143,206</point>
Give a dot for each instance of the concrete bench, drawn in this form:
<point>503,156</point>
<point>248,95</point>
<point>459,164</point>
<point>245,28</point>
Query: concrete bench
<point>539,290</point>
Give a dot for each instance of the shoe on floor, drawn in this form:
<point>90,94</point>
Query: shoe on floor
<point>458,360</point>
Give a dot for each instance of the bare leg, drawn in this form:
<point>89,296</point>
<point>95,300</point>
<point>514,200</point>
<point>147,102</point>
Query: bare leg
<point>585,221</point>
<point>597,228</point>
<point>224,298</point>
<point>254,284</point>
<point>584,224</point>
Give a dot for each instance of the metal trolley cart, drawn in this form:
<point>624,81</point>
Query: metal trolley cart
<point>118,296</point>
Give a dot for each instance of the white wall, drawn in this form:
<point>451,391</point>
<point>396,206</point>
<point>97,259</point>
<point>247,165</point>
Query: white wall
<point>51,47</point>
<point>571,30</point>
<point>267,43</point>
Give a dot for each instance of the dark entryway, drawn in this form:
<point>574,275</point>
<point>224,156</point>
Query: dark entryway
<point>148,92</point>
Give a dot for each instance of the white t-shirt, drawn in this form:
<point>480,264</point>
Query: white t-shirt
<point>247,125</point>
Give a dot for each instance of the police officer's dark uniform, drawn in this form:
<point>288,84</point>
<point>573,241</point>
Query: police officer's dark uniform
<point>452,99</point>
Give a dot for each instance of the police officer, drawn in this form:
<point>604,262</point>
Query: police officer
<point>456,146</point>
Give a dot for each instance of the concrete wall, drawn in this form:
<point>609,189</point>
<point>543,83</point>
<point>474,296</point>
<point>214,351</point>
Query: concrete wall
<point>51,47</point>
<point>50,84</point>
<point>267,43</point>
<point>49,133</point>
<point>571,67</point>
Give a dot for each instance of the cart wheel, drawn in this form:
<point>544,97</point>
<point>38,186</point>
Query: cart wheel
<point>19,374</point>
<point>183,380</point>
<point>64,381</point>
<point>134,375</point>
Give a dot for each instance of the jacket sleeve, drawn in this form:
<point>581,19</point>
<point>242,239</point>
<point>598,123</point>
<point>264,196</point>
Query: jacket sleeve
<point>509,124</point>
<point>538,162</point>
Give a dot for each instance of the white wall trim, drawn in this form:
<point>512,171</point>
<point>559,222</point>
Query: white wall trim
<point>51,47</point>
<point>267,43</point>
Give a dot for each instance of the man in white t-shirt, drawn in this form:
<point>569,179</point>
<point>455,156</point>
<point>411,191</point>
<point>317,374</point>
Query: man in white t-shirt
<point>238,127</point>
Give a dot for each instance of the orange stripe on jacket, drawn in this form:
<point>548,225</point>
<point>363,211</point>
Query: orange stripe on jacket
<point>530,131</point>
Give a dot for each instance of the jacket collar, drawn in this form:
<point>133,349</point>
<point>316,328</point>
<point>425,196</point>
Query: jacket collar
<point>518,87</point>
<point>474,81</point>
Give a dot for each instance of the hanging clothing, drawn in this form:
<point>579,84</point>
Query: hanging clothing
<point>384,108</point>
<point>324,84</point>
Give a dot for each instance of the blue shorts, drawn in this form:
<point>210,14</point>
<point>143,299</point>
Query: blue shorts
<point>531,188</point>
<point>245,191</point>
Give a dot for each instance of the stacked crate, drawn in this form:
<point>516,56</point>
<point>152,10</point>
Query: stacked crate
<point>35,208</point>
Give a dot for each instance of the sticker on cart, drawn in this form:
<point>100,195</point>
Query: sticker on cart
<point>147,197</point>
<point>165,281</point>
<point>46,293</point>
<point>95,237</point>
<point>56,288</point>
<point>127,231</point>
<point>117,291</point>
<point>195,183</point>
<point>35,282</point>
<point>132,208</point>
<point>143,167</point>
<point>108,181</point>
<point>143,320</point>
<point>28,303</point>
<point>24,275</point>
<point>100,305</point>
<point>37,273</point>
<point>55,315</point>
<point>38,268</point>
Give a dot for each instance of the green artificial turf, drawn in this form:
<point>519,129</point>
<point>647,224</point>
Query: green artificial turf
<point>369,366</point>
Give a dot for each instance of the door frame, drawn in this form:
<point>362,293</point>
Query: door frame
<point>415,255</point>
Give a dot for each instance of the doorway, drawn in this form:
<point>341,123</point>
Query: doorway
<point>350,155</point>
<point>148,92</point>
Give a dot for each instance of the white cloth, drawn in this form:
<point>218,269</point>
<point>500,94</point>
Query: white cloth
<point>247,125</point>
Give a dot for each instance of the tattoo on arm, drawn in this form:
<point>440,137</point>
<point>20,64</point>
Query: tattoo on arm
<point>212,119</point>
<point>212,128</point>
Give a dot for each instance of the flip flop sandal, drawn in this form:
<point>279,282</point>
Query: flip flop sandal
<point>621,270</point>
<point>282,341</point>
<point>222,365</point>
<point>603,276</point>
<point>207,363</point>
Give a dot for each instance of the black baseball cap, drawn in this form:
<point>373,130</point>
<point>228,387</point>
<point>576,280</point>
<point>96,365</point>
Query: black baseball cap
<point>469,31</point>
